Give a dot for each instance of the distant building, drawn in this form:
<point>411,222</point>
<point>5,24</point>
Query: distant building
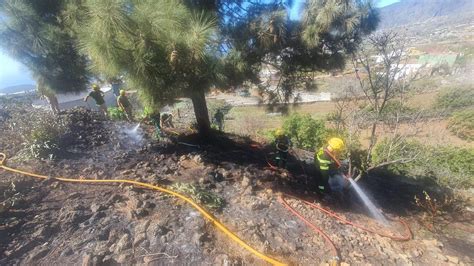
<point>408,70</point>
<point>380,58</point>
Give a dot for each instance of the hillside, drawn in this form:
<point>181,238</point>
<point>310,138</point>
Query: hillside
<point>51,222</point>
<point>17,88</point>
<point>370,165</point>
<point>417,11</point>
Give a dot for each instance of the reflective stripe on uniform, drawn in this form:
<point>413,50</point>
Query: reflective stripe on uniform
<point>323,164</point>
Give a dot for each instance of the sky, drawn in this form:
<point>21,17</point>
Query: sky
<point>295,10</point>
<point>14,73</point>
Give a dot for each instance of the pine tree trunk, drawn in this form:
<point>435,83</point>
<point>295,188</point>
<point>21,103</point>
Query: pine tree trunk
<point>200,110</point>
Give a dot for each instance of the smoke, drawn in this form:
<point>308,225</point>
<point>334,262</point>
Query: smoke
<point>135,134</point>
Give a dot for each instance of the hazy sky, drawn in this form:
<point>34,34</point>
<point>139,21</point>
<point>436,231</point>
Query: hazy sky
<point>13,73</point>
<point>295,10</point>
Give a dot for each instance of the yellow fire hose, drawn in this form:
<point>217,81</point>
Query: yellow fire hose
<point>206,214</point>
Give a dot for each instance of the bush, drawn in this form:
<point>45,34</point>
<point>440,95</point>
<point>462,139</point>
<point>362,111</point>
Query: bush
<point>386,151</point>
<point>42,136</point>
<point>200,195</point>
<point>456,99</point>
<point>461,124</point>
<point>448,166</point>
<point>437,210</point>
<point>305,132</point>
<point>116,113</point>
<point>451,166</point>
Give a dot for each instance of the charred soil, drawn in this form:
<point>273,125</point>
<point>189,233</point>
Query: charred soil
<point>51,222</point>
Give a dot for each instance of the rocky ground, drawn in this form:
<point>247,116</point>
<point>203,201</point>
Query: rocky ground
<point>60,223</point>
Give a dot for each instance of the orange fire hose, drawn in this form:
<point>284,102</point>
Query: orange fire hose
<point>205,213</point>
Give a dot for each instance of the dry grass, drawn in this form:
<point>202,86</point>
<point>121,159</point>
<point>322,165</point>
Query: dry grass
<point>253,120</point>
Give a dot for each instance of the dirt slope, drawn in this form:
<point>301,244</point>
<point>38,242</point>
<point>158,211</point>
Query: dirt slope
<point>59,223</point>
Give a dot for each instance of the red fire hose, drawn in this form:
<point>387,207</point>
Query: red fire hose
<point>405,237</point>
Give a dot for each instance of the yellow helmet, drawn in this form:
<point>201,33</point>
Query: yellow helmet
<point>336,144</point>
<point>95,87</point>
<point>279,132</point>
<point>122,92</point>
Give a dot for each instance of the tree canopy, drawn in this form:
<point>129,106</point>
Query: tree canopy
<point>165,52</point>
<point>31,32</point>
<point>326,33</point>
<point>170,48</point>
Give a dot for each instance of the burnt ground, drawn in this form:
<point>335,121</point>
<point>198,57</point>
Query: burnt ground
<point>59,223</point>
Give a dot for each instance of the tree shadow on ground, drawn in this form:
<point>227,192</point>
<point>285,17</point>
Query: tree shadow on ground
<point>218,149</point>
<point>393,194</point>
<point>396,194</point>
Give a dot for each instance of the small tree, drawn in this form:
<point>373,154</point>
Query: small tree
<point>380,101</point>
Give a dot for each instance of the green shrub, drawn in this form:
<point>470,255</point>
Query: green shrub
<point>461,124</point>
<point>452,166</point>
<point>116,113</point>
<point>387,150</point>
<point>456,160</point>
<point>448,166</point>
<point>305,132</point>
<point>464,60</point>
<point>200,195</point>
<point>42,137</point>
<point>456,99</point>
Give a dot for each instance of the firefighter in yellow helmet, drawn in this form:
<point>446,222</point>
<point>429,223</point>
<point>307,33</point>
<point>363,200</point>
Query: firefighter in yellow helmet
<point>283,145</point>
<point>327,161</point>
<point>124,104</point>
<point>98,97</point>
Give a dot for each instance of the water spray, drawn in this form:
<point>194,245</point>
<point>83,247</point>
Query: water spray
<point>135,129</point>
<point>368,203</point>
<point>134,133</point>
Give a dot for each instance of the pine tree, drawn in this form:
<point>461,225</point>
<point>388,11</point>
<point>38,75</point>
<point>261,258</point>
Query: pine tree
<point>32,33</point>
<point>171,48</point>
<point>263,35</point>
<point>163,48</point>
